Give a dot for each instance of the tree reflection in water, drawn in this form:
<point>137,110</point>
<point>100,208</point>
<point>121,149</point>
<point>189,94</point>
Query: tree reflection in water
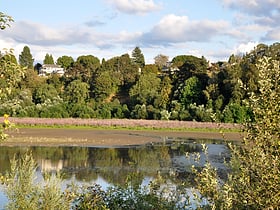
<point>114,165</point>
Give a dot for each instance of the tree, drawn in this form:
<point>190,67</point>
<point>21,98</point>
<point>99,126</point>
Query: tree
<point>152,68</point>
<point>44,93</point>
<point>189,66</point>
<point>161,60</point>
<point>129,71</point>
<point>254,181</point>
<point>48,59</point>
<point>77,92</point>
<point>5,21</point>
<point>85,68</point>
<point>164,95</point>
<point>25,58</point>
<point>146,89</point>
<point>191,91</point>
<point>11,74</point>
<point>65,61</point>
<point>105,84</point>
<point>138,57</point>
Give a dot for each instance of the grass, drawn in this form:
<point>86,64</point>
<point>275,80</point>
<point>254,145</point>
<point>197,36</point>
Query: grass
<point>138,128</point>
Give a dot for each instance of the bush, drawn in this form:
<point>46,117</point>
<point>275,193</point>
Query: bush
<point>24,193</point>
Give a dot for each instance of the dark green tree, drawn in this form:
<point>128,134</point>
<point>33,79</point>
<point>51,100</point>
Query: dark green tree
<point>189,66</point>
<point>137,57</point>
<point>48,59</point>
<point>44,93</point>
<point>84,68</point>
<point>25,58</point>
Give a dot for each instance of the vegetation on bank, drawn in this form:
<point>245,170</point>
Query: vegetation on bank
<point>188,88</point>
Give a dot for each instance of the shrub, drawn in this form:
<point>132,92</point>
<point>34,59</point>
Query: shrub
<point>24,193</point>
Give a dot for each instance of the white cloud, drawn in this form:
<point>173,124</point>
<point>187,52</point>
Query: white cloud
<point>174,29</point>
<point>135,6</point>
<point>259,8</point>
<point>244,48</point>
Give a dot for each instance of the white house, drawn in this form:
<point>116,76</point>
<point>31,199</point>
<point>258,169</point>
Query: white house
<point>47,69</point>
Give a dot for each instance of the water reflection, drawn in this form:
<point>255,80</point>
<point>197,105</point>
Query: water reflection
<point>113,165</point>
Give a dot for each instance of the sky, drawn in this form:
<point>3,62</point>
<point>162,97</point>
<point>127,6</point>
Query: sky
<point>214,29</point>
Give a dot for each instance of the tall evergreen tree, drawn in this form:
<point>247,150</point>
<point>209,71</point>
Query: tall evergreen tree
<point>48,59</point>
<point>25,58</point>
<point>138,57</point>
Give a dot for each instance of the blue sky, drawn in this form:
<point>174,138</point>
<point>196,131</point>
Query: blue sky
<point>214,29</point>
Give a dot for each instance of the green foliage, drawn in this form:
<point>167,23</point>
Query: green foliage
<point>24,193</point>
<point>105,84</point>
<point>5,21</point>
<point>48,59</point>
<point>44,93</point>
<point>11,74</point>
<point>190,91</point>
<point>254,181</point>
<point>25,58</point>
<point>65,61</point>
<point>217,89</point>
<point>130,196</point>
<point>146,89</point>
<point>138,57</point>
<point>77,92</point>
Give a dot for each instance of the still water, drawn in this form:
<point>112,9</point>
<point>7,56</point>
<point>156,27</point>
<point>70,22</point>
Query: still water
<point>109,166</point>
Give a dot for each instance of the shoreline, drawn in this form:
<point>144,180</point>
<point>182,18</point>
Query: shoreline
<point>105,138</point>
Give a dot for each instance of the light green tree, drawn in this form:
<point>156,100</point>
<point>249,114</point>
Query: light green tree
<point>65,61</point>
<point>11,74</point>
<point>48,59</point>
<point>254,181</point>
<point>77,92</point>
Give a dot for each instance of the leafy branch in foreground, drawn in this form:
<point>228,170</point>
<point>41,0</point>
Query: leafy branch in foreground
<point>5,126</point>
<point>24,191</point>
<point>5,21</point>
<point>254,181</point>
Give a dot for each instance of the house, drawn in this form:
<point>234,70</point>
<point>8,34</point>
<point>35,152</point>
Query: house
<point>168,68</point>
<point>48,69</point>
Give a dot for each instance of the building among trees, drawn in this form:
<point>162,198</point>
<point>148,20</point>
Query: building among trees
<point>48,69</point>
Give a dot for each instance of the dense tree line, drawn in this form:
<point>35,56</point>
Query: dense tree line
<point>190,88</point>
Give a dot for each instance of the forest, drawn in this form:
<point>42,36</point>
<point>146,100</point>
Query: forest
<point>187,88</point>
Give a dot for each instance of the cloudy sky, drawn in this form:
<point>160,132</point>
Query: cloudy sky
<point>106,28</point>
